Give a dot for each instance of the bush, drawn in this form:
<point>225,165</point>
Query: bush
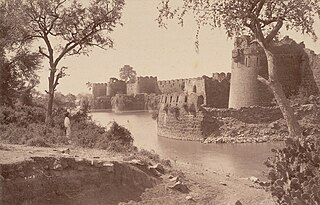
<point>175,111</point>
<point>117,138</point>
<point>155,114</point>
<point>294,172</point>
<point>22,115</point>
<point>26,125</point>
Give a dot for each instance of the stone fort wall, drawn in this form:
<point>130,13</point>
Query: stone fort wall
<point>147,84</point>
<point>210,122</point>
<point>99,89</point>
<point>294,71</point>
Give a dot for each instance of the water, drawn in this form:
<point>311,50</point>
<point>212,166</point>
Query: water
<point>242,160</point>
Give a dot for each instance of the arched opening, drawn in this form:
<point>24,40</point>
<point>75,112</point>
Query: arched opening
<point>194,89</point>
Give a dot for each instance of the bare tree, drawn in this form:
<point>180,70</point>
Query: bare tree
<point>262,19</point>
<point>66,28</point>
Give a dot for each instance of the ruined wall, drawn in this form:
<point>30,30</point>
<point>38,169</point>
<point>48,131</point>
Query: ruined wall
<point>115,86</point>
<point>214,91</point>
<point>147,84</point>
<point>131,88</point>
<point>172,86</point>
<point>179,123</point>
<point>288,58</point>
<point>310,73</point>
<point>217,90</point>
<point>182,126</point>
<point>249,61</point>
<point>101,103</point>
<point>123,102</point>
<point>99,89</point>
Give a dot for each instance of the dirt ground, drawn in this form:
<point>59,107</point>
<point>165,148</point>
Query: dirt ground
<point>203,186</point>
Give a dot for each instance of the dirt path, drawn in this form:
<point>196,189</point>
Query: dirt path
<point>204,185</point>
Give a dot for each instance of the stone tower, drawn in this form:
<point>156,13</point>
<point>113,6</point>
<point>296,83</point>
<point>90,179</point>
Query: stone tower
<point>248,61</point>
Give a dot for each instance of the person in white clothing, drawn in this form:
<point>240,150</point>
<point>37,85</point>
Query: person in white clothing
<point>67,125</point>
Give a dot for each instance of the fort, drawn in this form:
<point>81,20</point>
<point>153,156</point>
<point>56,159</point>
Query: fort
<point>206,107</point>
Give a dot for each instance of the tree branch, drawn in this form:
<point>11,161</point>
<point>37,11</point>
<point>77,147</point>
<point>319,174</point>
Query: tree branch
<point>274,31</point>
<point>43,53</point>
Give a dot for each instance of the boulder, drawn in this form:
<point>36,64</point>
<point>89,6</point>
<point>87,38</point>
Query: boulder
<point>158,167</point>
<point>179,186</point>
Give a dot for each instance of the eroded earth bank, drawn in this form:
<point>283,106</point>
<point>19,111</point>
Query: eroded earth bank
<point>33,175</point>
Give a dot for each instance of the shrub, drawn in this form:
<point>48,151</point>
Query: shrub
<point>116,135</point>
<point>22,115</point>
<point>155,114</point>
<point>294,172</point>
<point>175,111</point>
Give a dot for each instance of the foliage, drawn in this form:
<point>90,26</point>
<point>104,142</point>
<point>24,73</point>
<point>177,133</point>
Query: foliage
<point>21,115</point>
<point>166,108</point>
<point>128,74</point>
<point>77,28</point>
<point>175,111</point>
<point>26,125</point>
<point>155,114</point>
<point>260,18</point>
<point>116,138</point>
<point>18,65</point>
<point>295,172</point>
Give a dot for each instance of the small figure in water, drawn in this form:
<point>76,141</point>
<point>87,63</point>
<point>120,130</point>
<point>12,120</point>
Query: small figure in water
<point>67,126</point>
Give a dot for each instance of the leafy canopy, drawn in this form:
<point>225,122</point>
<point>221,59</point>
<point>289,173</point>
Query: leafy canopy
<point>128,74</point>
<point>75,27</point>
<point>259,18</point>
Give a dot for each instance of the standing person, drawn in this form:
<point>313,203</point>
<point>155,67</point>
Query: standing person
<point>67,126</point>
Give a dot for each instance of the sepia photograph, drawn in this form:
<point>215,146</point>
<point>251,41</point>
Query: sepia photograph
<point>159,102</point>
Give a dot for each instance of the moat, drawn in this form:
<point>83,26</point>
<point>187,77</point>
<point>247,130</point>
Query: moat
<point>243,160</point>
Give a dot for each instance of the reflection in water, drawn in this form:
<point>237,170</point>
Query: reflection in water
<point>240,159</point>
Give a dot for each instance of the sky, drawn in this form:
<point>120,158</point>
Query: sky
<point>152,51</point>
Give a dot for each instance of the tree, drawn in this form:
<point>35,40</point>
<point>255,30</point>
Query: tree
<point>18,65</point>
<point>262,19</point>
<point>128,74</point>
<point>67,28</point>
<point>18,77</point>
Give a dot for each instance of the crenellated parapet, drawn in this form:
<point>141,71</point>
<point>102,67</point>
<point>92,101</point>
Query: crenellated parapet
<point>170,86</point>
<point>146,84</point>
<point>221,76</point>
<point>115,86</point>
<point>99,89</point>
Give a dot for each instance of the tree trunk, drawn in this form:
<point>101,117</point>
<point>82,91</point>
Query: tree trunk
<point>49,119</point>
<point>284,104</point>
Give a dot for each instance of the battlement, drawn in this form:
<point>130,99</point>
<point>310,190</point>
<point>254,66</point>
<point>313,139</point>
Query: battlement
<point>141,78</point>
<point>146,84</point>
<point>98,84</point>
<point>221,76</point>
<point>99,89</point>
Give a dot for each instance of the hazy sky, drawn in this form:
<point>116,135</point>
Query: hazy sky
<point>153,51</point>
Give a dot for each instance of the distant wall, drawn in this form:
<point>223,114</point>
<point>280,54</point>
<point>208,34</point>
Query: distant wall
<point>147,84</point>
<point>171,86</point>
<point>115,86</point>
<point>123,102</point>
<point>99,89</point>
<point>101,103</point>
<point>214,90</point>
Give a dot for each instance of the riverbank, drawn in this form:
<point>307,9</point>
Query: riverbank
<point>203,186</point>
